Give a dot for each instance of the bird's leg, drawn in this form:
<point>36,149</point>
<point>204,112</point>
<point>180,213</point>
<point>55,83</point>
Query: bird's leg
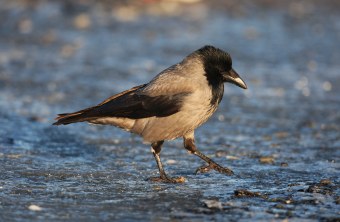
<point>189,144</point>
<point>156,149</point>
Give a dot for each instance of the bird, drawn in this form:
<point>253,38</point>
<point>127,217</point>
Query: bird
<point>173,104</point>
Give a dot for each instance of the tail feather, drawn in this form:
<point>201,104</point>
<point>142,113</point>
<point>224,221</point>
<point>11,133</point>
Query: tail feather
<point>67,118</point>
<point>97,111</point>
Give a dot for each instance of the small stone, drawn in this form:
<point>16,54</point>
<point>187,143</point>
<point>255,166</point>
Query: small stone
<point>247,193</point>
<point>14,156</point>
<point>325,182</point>
<point>34,207</point>
<point>229,157</point>
<point>288,201</point>
<point>320,188</point>
<point>170,162</point>
<point>284,164</point>
<point>280,206</point>
<point>180,179</point>
<point>221,153</point>
<point>213,204</point>
<point>157,188</point>
<point>266,160</point>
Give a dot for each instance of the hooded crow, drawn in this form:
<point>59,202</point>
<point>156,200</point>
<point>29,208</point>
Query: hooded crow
<point>173,104</point>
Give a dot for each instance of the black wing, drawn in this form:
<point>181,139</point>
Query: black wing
<point>135,106</point>
<point>129,104</point>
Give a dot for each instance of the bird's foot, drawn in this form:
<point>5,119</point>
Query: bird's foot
<point>166,179</point>
<point>214,166</point>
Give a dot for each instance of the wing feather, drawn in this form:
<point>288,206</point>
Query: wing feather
<point>133,103</point>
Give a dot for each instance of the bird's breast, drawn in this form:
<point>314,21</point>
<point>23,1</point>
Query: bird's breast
<point>199,106</point>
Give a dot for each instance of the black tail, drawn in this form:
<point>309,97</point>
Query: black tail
<point>113,106</point>
<point>67,118</point>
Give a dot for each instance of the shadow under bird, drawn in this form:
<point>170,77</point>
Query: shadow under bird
<point>173,104</point>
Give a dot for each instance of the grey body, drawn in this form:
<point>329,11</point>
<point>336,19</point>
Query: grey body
<point>185,77</point>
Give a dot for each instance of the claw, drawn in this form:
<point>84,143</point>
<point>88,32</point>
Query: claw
<point>203,169</point>
<point>167,179</point>
<point>214,166</point>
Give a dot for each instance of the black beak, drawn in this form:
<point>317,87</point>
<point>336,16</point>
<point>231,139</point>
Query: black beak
<point>234,78</point>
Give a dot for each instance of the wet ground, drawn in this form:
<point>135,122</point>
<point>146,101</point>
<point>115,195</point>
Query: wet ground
<point>281,137</point>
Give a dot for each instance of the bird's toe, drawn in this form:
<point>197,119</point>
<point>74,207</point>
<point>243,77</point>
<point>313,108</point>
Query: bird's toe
<point>167,179</point>
<point>214,166</point>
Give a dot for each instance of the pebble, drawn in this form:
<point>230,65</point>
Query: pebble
<point>34,207</point>
<point>266,160</point>
<point>213,204</point>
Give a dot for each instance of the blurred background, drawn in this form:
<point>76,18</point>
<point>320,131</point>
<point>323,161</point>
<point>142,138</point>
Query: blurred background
<point>280,136</point>
<point>58,52</point>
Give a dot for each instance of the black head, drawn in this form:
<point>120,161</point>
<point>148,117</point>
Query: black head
<point>218,67</point>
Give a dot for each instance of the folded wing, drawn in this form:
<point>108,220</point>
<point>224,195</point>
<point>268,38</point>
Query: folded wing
<point>133,103</point>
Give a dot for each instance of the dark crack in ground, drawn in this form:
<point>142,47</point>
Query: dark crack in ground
<point>280,137</point>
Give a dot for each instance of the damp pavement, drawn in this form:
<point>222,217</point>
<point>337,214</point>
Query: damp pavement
<point>281,136</point>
